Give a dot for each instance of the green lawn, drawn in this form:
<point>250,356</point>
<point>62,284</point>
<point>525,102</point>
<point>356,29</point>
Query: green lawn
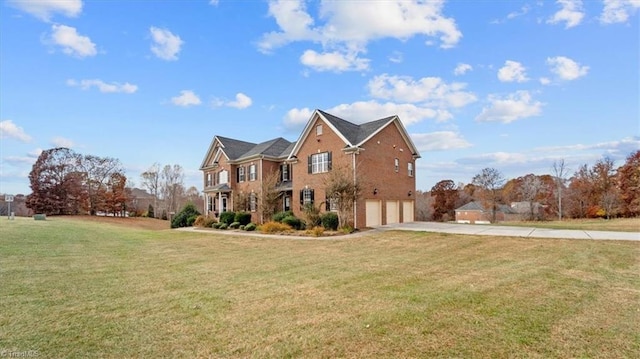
<point>594,224</point>
<point>77,289</point>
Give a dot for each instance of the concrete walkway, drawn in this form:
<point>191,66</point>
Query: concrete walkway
<point>489,230</point>
<point>475,229</point>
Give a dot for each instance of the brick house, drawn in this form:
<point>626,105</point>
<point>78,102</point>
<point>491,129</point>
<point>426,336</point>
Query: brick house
<point>475,213</point>
<point>378,154</point>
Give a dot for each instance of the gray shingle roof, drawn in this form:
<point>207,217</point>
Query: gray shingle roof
<point>236,149</point>
<point>352,132</point>
<point>471,206</point>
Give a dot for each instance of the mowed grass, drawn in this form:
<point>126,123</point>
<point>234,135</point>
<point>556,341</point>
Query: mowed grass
<point>594,224</point>
<point>76,289</point>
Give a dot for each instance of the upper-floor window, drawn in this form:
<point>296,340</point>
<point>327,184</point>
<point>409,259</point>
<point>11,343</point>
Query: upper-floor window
<point>252,173</point>
<point>397,164</point>
<point>209,180</point>
<point>284,171</point>
<point>410,169</point>
<point>319,162</point>
<point>318,130</point>
<point>223,177</point>
<point>241,174</point>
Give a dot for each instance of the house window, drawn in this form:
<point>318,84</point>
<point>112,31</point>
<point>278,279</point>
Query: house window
<point>332,204</point>
<point>319,162</point>
<point>223,177</point>
<point>241,174</point>
<point>252,173</point>
<point>209,184</point>
<point>397,164</point>
<point>306,196</point>
<point>209,203</point>
<point>318,130</point>
<point>286,203</point>
<point>253,202</point>
<point>410,169</point>
<point>284,170</point>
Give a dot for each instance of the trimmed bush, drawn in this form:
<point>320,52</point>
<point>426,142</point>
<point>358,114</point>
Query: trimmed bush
<point>216,225</point>
<point>275,227</point>
<point>227,217</point>
<point>329,221</point>
<point>294,222</point>
<point>241,227</point>
<point>204,221</point>
<point>223,226</point>
<point>280,215</point>
<point>234,225</point>
<point>185,217</point>
<point>243,218</point>
<point>250,227</point>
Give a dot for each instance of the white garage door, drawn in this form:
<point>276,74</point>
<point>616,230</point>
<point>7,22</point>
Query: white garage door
<point>393,215</point>
<point>373,213</point>
<point>407,211</point>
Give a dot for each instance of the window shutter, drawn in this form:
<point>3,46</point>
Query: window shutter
<point>327,204</point>
<point>311,196</point>
<point>309,164</point>
<point>329,160</point>
<point>238,174</point>
<point>301,197</point>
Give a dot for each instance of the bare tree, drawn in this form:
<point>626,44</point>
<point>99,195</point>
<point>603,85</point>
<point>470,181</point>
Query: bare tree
<point>96,172</point>
<point>151,181</point>
<point>530,189</point>
<point>171,186</point>
<point>490,180</point>
<point>560,172</point>
<point>269,196</point>
<point>343,190</point>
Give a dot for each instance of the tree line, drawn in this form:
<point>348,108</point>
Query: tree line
<point>598,191</point>
<point>64,182</point>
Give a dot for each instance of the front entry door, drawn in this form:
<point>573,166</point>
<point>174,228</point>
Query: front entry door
<point>223,207</point>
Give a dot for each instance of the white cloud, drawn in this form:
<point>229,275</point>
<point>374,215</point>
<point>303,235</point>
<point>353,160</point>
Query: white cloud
<point>462,69</point>
<point>512,15</point>
<point>103,86</point>
<point>45,9</point>
<point>214,2</point>
<point>512,71</point>
<point>71,42</point>
<point>571,13</point>
<point>365,111</point>
<point>62,142</point>
<point>566,69</point>
<point>513,107</point>
<point>187,98</point>
<point>545,81</point>
<point>432,91</point>
<point>242,101</point>
<point>346,27</point>
<point>439,141</point>
<point>165,44</point>
<point>617,11</point>
<point>396,57</point>
<point>8,129</point>
<point>333,61</point>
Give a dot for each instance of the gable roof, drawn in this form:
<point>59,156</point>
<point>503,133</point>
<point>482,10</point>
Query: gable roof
<point>471,206</point>
<point>237,150</point>
<point>355,135</point>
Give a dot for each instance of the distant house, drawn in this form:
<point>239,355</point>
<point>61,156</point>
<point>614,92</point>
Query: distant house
<point>378,154</point>
<point>475,213</point>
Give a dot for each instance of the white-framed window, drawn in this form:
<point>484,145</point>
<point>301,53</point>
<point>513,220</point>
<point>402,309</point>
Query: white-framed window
<point>320,162</point>
<point>286,203</point>
<point>209,203</point>
<point>253,202</point>
<point>318,130</point>
<point>396,163</point>
<point>209,183</point>
<point>410,169</point>
<point>241,174</point>
<point>252,173</point>
<point>223,177</point>
<point>333,204</point>
<point>306,196</point>
<point>285,172</point>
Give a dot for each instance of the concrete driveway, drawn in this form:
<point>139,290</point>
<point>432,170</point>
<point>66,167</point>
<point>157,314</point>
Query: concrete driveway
<point>489,230</point>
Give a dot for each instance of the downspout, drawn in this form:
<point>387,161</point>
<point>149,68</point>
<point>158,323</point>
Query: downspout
<point>355,202</point>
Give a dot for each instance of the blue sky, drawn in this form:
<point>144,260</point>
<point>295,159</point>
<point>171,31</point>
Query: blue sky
<point>513,85</point>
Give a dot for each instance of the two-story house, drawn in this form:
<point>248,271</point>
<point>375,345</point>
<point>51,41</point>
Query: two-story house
<point>378,155</point>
